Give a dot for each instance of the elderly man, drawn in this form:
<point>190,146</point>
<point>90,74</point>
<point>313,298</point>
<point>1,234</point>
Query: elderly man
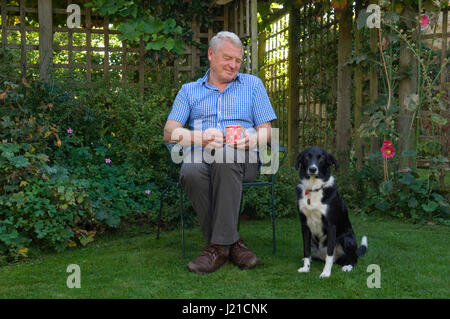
<point>223,97</point>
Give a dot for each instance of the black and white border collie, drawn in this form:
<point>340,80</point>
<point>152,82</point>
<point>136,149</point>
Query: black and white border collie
<point>323,215</point>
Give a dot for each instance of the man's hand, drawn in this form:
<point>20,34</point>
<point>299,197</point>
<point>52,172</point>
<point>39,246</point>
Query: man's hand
<point>247,142</point>
<point>212,138</point>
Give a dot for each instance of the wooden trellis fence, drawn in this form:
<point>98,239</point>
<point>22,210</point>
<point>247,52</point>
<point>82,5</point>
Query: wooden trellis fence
<point>93,50</point>
<point>275,72</point>
<point>316,71</point>
<point>304,82</point>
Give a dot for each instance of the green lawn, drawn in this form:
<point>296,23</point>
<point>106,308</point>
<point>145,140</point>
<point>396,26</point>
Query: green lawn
<point>414,262</point>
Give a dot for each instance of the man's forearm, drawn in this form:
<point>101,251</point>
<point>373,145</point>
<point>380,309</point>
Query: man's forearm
<point>264,134</point>
<point>183,136</point>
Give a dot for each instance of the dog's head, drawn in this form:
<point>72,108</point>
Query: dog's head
<point>315,162</point>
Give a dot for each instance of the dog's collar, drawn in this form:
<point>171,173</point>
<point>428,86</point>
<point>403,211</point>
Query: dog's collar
<point>307,191</point>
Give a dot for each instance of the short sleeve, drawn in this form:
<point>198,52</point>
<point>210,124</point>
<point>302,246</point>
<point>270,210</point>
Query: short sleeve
<point>262,108</point>
<point>180,108</point>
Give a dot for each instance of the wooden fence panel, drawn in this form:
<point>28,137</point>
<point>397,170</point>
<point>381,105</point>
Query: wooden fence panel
<point>134,66</point>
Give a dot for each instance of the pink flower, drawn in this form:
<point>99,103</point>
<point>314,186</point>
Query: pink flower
<point>387,150</point>
<point>424,21</point>
<point>147,191</point>
<point>107,160</point>
<point>69,130</point>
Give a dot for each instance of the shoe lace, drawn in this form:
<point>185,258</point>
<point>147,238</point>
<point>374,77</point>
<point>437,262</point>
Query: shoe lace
<point>211,250</point>
<point>240,244</point>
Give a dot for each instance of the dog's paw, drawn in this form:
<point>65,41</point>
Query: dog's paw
<point>306,265</point>
<point>325,274</point>
<point>304,269</point>
<point>347,268</point>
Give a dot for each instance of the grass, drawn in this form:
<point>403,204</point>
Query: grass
<point>413,259</point>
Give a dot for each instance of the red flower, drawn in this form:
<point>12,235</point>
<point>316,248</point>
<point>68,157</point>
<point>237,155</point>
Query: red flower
<point>424,21</point>
<point>387,150</point>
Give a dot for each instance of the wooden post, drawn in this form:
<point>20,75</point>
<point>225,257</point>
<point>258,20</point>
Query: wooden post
<point>106,43</point>
<point>358,80</point>
<point>254,36</point>
<point>373,79</point>
<point>88,45</point>
<point>444,74</point>
<point>124,62</point>
<point>343,124</point>
<point>261,54</point>
<point>23,39</point>
<point>141,67</point>
<point>4,34</point>
<point>293,76</point>
<point>45,39</point>
<point>70,47</point>
<point>407,86</point>
<point>444,36</point>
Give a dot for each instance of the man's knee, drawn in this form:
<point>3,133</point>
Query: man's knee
<point>192,173</point>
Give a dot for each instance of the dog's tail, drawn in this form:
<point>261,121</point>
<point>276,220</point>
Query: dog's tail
<point>363,247</point>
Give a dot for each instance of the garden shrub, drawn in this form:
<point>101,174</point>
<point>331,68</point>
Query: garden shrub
<point>75,159</point>
<point>410,195</point>
<point>257,201</point>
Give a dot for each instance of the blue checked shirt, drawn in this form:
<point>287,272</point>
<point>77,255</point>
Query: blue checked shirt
<point>244,101</point>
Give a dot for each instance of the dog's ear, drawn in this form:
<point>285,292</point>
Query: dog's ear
<point>299,160</point>
<point>332,160</point>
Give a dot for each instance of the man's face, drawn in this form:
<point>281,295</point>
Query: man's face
<point>226,62</point>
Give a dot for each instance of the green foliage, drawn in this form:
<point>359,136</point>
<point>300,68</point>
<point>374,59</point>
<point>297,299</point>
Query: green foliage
<point>154,21</point>
<point>412,195</point>
<point>76,160</point>
<point>257,201</point>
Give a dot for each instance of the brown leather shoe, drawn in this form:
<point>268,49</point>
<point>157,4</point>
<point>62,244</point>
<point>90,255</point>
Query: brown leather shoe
<point>212,258</point>
<point>242,256</point>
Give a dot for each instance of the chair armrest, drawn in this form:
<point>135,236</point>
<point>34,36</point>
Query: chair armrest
<point>280,149</point>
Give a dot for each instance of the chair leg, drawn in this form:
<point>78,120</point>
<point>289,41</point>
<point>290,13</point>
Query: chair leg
<point>182,221</point>
<point>273,220</point>
<point>161,201</point>
<point>240,211</point>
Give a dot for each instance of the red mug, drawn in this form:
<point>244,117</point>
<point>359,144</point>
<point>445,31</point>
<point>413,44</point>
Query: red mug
<point>233,134</point>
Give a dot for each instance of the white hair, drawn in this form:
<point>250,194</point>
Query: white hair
<point>216,42</point>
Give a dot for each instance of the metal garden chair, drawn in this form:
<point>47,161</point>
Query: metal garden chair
<point>174,182</point>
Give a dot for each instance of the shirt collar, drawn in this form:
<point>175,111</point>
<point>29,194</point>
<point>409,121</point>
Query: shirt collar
<point>204,80</point>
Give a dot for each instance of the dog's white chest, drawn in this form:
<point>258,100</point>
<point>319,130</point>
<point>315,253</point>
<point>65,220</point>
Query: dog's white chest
<point>311,205</point>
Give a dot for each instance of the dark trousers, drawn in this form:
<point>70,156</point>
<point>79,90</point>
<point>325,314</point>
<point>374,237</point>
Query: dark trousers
<point>213,185</point>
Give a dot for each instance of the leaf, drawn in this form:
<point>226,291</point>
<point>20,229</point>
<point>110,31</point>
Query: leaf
<point>170,43</point>
<point>84,240</point>
<point>19,161</point>
<point>409,153</point>
<point>113,220</point>
<point>438,119</point>
<point>391,17</point>
<point>406,179</point>
<point>23,252</point>
<point>430,207</point>
<point>386,186</point>
<point>412,203</point>
<point>356,60</point>
<point>71,243</point>
<point>411,101</point>
<point>383,206</point>
<point>437,197</point>
<point>101,215</point>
